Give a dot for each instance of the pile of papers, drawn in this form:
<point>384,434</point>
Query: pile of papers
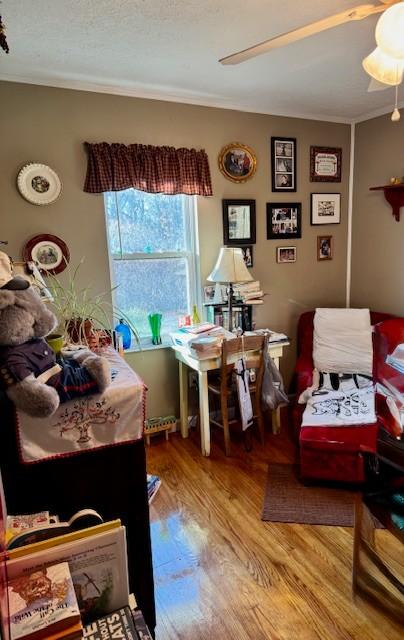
<point>396,359</point>
<point>202,344</point>
<point>274,336</point>
<point>249,292</point>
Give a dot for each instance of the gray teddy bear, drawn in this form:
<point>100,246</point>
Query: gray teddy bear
<point>29,373</point>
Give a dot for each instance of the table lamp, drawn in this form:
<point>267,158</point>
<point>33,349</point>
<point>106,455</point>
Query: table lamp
<point>230,268</point>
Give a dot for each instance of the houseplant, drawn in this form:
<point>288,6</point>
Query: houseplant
<point>84,317</point>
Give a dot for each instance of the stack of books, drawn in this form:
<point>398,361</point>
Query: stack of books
<point>153,485</point>
<point>249,292</point>
<point>51,588</point>
<point>202,344</point>
<point>208,347</point>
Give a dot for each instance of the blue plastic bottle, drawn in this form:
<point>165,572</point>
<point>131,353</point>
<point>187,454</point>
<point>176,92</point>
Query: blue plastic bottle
<point>124,329</point>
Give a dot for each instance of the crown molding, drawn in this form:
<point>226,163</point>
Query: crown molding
<point>79,85</point>
<point>376,113</point>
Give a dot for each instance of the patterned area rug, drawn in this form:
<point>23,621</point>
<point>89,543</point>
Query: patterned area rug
<point>288,500</point>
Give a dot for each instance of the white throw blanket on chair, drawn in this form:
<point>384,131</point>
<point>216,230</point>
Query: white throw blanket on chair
<point>342,345</point>
<point>342,341</point>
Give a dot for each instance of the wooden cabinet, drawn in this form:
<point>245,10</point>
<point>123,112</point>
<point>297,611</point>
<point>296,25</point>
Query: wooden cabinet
<point>111,480</point>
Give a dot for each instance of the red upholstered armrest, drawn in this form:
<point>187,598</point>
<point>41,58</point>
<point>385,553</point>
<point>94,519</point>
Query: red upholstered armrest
<point>303,373</point>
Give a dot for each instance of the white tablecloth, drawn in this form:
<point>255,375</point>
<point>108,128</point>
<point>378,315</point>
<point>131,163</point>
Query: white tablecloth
<point>89,422</point>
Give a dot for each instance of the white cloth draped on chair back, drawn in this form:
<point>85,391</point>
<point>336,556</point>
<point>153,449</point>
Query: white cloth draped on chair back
<point>342,341</point>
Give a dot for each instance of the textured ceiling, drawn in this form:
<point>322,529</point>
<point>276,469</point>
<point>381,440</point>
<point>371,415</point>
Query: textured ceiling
<point>169,49</point>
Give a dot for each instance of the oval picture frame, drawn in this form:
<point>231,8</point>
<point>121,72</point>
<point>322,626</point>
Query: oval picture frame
<point>48,252</point>
<point>39,184</point>
<point>237,162</point>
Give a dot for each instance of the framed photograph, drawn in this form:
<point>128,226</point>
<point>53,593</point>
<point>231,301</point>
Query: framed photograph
<point>48,252</point>
<point>237,162</point>
<point>238,222</point>
<point>283,163</point>
<point>209,293</point>
<point>215,293</point>
<point>324,247</point>
<point>248,255</point>
<point>325,164</point>
<point>325,208</point>
<point>284,220</point>
<point>286,254</point>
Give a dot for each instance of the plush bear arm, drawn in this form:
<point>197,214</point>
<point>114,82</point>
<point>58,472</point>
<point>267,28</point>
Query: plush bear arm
<point>34,398</point>
<point>18,366</point>
<point>97,366</point>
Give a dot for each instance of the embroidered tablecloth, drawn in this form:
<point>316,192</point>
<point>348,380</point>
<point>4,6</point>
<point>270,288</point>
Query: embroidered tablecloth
<point>90,422</point>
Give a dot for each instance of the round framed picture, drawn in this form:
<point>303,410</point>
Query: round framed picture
<point>39,184</point>
<point>49,253</point>
<point>237,162</point>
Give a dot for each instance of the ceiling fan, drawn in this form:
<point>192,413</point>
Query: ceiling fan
<point>356,13</point>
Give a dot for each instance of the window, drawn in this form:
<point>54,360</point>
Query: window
<point>152,241</point>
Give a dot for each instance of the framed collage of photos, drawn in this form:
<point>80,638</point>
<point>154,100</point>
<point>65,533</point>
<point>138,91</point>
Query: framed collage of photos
<point>284,220</point>
<point>283,162</point>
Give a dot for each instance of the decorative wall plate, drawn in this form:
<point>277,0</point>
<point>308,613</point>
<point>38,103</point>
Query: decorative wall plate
<point>39,184</point>
<point>49,253</point>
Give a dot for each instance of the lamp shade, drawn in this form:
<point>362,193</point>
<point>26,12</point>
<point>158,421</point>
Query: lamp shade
<point>390,31</point>
<point>230,267</point>
<point>383,67</point>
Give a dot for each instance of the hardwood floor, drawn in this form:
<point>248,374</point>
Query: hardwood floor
<point>220,572</point>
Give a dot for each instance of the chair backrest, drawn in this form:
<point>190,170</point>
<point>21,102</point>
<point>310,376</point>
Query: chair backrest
<point>305,331</point>
<point>253,347</point>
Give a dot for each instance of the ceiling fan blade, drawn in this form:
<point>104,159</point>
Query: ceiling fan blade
<point>356,13</point>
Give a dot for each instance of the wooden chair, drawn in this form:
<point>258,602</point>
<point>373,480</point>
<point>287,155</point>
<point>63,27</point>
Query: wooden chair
<point>223,387</point>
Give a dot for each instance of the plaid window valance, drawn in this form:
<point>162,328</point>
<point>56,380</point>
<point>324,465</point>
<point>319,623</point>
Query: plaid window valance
<point>114,167</point>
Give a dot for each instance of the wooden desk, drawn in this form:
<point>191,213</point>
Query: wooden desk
<point>202,367</point>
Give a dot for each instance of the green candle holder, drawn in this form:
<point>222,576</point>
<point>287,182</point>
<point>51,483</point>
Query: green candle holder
<point>155,326</point>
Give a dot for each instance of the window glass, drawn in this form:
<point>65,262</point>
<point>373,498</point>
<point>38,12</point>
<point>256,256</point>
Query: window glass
<point>153,253</point>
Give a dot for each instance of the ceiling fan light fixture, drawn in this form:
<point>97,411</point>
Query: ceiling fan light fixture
<point>390,31</point>
<point>383,67</point>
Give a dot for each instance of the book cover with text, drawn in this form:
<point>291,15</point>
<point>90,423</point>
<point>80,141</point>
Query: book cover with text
<point>42,602</point>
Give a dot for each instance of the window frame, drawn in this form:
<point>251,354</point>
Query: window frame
<point>191,255</point>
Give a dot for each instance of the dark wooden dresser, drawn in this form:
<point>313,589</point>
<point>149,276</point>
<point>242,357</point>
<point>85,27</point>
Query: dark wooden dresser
<point>111,480</point>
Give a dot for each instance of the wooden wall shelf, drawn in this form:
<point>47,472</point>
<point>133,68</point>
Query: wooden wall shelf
<point>394,194</point>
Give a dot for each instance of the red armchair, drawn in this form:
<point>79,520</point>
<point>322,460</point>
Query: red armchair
<point>329,453</point>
